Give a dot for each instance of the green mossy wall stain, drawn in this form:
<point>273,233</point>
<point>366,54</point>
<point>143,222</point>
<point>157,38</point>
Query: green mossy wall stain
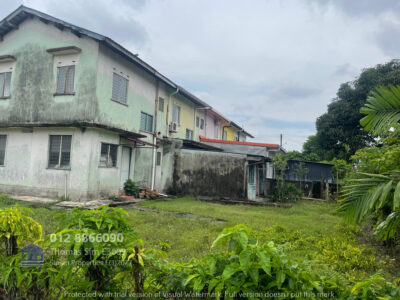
<point>33,86</point>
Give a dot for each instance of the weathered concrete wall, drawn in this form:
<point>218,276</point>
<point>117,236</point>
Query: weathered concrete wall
<point>26,171</point>
<point>205,173</point>
<point>33,79</point>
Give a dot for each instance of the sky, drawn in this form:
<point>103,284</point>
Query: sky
<point>270,66</point>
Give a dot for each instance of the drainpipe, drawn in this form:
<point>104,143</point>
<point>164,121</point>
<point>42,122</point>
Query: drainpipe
<point>169,104</point>
<point>153,171</point>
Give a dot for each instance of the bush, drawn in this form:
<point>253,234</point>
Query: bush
<point>131,189</point>
<point>287,192</point>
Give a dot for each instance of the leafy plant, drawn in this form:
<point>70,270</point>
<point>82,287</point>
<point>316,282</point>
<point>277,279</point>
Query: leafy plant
<point>131,188</point>
<point>379,194</point>
<point>95,242</point>
<point>16,229</point>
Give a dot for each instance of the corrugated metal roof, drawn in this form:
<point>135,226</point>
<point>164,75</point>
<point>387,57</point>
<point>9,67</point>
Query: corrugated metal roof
<point>203,139</point>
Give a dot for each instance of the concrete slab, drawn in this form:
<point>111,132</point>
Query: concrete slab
<point>34,199</point>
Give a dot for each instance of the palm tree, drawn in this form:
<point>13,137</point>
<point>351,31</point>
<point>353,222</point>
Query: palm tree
<point>376,193</point>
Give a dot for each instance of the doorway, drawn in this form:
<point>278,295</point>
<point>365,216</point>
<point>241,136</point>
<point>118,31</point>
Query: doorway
<point>125,165</point>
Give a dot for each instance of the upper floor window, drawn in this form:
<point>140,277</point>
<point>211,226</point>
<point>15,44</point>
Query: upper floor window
<point>146,122</point>
<point>161,104</point>
<point>197,121</point>
<point>5,83</point>
<point>108,155</point>
<point>3,140</point>
<point>202,124</point>
<point>119,88</point>
<point>189,134</point>
<point>60,151</point>
<point>176,114</point>
<point>65,80</point>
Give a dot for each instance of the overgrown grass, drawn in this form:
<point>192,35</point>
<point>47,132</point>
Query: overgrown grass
<point>310,232</point>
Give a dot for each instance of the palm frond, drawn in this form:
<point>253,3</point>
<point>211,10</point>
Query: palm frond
<point>382,110</point>
<point>360,196</point>
<point>387,228</point>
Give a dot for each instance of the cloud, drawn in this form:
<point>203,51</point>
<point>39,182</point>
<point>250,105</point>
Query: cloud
<point>271,66</point>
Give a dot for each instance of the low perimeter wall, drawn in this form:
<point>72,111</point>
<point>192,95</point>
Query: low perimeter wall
<point>206,173</point>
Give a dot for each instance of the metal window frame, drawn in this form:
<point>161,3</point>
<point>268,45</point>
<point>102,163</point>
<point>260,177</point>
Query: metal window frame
<point>152,121</point>
<point>58,167</point>
<point>5,150</point>
<point>65,80</point>
<point>108,155</point>
<point>126,89</point>
<point>3,85</point>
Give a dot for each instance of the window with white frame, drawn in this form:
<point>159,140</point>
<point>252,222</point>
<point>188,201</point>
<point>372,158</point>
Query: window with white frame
<point>146,122</point>
<point>189,134</point>
<point>108,155</point>
<point>5,84</point>
<point>60,151</point>
<point>3,141</point>
<point>65,80</point>
<point>202,124</point>
<point>197,121</point>
<point>119,88</point>
<point>176,114</point>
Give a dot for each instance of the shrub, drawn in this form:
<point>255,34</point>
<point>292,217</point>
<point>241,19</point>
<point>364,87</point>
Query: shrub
<point>131,188</point>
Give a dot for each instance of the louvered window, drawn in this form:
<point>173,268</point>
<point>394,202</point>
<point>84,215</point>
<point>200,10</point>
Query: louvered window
<point>3,140</point>
<point>65,80</point>
<point>189,134</point>
<point>119,88</point>
<point>108,155</point>
<point>60,151</point>
<point>146,122</point>
<point>5,83</point>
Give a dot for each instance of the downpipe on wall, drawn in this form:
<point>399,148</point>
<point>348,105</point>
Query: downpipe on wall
<point>153,170</point>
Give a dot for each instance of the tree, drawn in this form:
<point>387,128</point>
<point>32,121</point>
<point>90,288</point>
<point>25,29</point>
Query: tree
<point>339,132</point>
<point>377,192</point>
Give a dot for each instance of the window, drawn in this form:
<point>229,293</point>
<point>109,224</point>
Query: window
<point>202,124</point>
<point>108,155</point>
<point>146,122</point>
<point>5,82</point>
<point>65,80</point>
<point>197,121</point>
<point>189,134</point>
<point>3,140</point>
<point>161,104</point>
<point>158,159</point>
<point>176,114</point>
<point>60,151</point>
<point>119,88</point>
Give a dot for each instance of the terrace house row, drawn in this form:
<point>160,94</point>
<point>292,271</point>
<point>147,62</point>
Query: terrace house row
<point>80,114</point>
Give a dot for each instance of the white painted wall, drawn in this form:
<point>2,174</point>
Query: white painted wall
<point>26,171</point>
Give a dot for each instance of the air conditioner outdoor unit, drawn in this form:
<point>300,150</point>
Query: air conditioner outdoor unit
<point>173,127</point>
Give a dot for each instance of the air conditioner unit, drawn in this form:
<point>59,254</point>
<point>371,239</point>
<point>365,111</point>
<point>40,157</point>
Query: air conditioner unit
<point>173,127</point>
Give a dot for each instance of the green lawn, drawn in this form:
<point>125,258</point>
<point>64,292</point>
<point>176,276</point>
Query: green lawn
<point>191,235</point>
<point>309,232</point>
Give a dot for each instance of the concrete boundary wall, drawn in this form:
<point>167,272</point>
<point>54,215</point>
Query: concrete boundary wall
<point>207,173</point>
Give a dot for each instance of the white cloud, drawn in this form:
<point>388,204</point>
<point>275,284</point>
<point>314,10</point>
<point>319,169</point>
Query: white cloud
<point>264,61</point>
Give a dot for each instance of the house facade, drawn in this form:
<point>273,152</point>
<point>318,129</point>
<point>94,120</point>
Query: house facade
<point>80,114</point>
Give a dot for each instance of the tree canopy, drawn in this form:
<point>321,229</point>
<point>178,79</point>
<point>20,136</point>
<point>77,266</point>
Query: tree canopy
<point>339,133</point>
